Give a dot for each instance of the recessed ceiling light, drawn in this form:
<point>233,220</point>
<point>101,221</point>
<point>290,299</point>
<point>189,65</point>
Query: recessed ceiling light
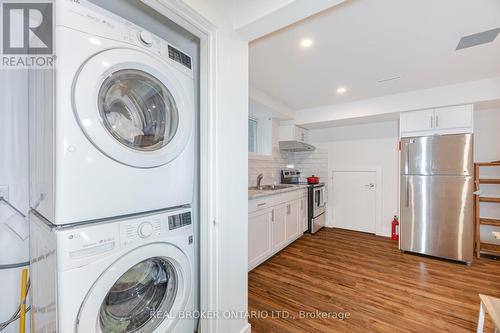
<point>341,90</point>
<point>306,43</point>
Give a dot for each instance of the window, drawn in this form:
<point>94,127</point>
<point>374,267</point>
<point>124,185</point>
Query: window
<point>260,138</point>
<point>253,135</point>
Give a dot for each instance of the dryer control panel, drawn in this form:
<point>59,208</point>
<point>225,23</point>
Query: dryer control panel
<point>97,22</point>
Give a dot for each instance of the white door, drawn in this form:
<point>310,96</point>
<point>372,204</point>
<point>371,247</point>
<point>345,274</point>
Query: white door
<point>415,121</point>
<point>454,117</point>
<point>259,237</point>
<point>292,220</point>
<point>279,227</point>
<point>353,200</point>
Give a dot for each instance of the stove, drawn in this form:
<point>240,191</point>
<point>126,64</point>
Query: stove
<point>316,211</point>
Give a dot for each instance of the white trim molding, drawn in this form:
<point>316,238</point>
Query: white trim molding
<point>183,15</point>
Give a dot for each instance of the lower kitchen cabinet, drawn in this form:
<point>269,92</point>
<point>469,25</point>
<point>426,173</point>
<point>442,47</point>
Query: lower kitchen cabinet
<point>292,220</point>
<point>274,223</point>
<point>279,227</point>
<point>304,222</point>
<point>259,236</point>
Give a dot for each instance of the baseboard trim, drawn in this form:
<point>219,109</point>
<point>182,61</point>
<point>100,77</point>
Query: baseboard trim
<point>247,329</point>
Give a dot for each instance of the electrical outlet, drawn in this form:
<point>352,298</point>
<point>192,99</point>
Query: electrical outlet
<point>4,192</point>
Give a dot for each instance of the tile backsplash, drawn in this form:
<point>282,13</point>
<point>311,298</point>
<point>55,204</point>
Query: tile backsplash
<point>309,163</point>
<point>314,162</point>
<point>269,167</point>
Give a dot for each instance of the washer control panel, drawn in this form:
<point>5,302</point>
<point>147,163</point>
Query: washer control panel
<point>179,220</point>
<point>135,231</point>
<point>146,38</point>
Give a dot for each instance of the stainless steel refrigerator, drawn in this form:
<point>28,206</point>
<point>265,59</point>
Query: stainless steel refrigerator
<point>437,204</point>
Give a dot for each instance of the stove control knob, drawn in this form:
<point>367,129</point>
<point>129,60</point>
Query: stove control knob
<point>146,38</point>
<point>145,230</point>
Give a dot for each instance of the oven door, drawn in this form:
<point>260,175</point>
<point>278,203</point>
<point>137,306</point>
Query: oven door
<point>318,222</point>
<point>319,202</point>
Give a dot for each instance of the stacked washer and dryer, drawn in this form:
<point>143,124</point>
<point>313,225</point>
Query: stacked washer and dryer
<point>112,136</point>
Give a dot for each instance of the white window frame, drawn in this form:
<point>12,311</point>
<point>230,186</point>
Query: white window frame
<point>264,139</point>
<point>257,136</point>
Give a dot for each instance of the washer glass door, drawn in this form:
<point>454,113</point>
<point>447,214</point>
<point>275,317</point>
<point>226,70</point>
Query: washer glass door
<point>141,293</point>
<point>138,110</point>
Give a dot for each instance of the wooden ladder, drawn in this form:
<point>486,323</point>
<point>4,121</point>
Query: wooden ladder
<point>486,247</point>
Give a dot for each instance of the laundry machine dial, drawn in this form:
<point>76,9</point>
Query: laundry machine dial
<point>145,230</point>
<point>146,38</point>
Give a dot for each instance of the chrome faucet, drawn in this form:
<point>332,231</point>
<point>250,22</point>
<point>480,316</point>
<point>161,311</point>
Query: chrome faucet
<point>259,179</point>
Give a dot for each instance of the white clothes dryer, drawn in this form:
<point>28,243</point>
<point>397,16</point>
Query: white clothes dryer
<point>112,127</point>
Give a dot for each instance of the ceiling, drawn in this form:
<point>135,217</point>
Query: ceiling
<point>360,42</point>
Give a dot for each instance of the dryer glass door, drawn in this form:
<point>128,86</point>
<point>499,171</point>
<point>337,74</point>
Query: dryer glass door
<point>134,107</point>
<point>144,291</point>
<point>138,110</point>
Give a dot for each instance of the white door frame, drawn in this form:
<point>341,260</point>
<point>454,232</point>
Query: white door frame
<point>378,191</point>
<point>186,17</point>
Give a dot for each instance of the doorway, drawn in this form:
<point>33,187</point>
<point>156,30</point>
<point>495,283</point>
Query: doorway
<point>353,200</point>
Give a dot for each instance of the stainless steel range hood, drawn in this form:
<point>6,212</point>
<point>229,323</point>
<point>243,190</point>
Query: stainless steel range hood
<point>295,146</point>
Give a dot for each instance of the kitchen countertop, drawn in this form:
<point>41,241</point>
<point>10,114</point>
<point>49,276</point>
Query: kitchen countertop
<point>252,194</point>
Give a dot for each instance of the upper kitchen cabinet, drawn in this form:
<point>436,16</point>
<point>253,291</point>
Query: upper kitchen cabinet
<point>293,133</point>
<point>294,139</point>
<point>446,120</point>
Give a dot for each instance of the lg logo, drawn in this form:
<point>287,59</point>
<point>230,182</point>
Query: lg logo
<point>27,28</point>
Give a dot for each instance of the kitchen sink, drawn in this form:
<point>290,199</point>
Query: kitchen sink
<point>269,187</point>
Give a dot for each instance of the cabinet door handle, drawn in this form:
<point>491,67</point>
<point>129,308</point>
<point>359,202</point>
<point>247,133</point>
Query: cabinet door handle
<point>272,215</point>
<point>288,210</point>
<point>261,204</point>
<point>432,121</point>
<point>437,121</point>
<point>301,204</point>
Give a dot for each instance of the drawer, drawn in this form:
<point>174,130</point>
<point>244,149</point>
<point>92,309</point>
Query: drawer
<point>275,199</point>
<point>261,203</point>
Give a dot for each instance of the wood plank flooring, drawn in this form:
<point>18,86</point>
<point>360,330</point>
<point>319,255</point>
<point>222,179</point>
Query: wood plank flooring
<point>383,290</point>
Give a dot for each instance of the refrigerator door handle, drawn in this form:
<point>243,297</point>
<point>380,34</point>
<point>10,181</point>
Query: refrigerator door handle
<point>407,191</point>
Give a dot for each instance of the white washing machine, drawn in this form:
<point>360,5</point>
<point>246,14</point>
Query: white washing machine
<point>112,127</point>
<point>120,276</point>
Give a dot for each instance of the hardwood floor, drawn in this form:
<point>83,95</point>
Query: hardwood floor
<point>383,290</point>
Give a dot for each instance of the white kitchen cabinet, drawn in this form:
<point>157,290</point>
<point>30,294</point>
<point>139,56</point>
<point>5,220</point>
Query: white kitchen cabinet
<point>292,219</point>
<point>303,218</point>
<point>259,235</point>
<point>274,221</point>
<point>458,118</point>
<point>417,121</point>
<point>279,227</point>
<point>446,120</point>
<point>293,133</point>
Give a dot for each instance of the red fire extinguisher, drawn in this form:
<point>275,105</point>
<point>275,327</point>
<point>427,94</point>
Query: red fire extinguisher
<point>395,229</point>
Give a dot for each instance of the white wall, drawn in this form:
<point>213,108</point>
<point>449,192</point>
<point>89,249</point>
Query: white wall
<point>363,146</point>
<point>487,149</point>
<point>14,136</point>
